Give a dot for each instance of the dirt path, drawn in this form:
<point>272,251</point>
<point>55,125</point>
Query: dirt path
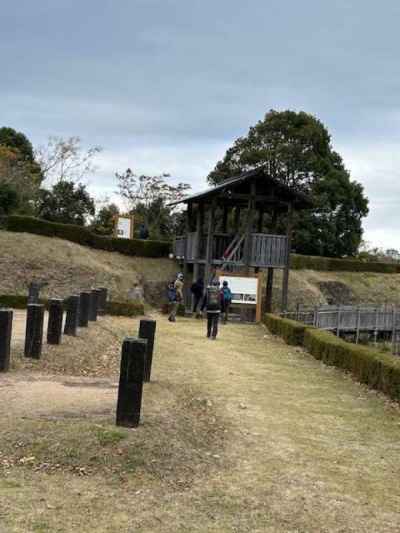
<point>243,434</point>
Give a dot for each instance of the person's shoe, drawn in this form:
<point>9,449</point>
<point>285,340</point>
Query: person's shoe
<point>214,338</point>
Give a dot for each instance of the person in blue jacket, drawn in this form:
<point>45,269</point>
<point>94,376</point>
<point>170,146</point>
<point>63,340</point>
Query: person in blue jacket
<point>226,300</point>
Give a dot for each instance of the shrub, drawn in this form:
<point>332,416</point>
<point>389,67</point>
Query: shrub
<point>18,301</point>
<point>124,308</point>
<point>290,330</point>
<point>323,264</point>
<point>84,237</point>
<point>14,301</point>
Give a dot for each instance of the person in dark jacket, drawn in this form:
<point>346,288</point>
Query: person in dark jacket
<point>212,304</point>
<point>143,232</point>
<point>197,289</point>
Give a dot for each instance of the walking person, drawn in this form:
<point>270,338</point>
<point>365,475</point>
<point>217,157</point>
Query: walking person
<point>212,304</point>
<point>197,289</point>
<point>226,300</point>
<point>176,293</point>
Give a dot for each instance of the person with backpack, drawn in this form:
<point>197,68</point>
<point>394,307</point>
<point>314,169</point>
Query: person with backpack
<point>226,300</point>
<point>212,304</point>
<point>197,289</point>
<point>175,296</point>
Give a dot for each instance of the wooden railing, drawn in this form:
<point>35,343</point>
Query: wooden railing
<point>349,318</point>
<point>265,250</point>
<point>268,250</point>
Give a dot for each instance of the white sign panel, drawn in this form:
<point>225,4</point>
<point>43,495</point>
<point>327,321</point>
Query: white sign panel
<point>124,228</point>
<point>244,290</point>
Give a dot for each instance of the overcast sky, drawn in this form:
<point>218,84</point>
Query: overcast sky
<point>168,85</point>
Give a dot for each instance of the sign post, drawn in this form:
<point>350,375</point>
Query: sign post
<point>246,290</point>
<point>124,226</point>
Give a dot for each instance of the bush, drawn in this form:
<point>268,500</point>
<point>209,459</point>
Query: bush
<point>377,370</point>
<point>84,237</point>
<point>14,301</point>
<point>124,308</point>
<point>290,330</point>
<point>17,301</point>
<point>323,264</point>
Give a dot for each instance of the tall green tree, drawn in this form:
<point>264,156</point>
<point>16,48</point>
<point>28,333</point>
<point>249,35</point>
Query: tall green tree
<point>104,222</point>
<point>15,139</point>
<point>295,148</point>
<point>66,202</point>
<point>9,200</point>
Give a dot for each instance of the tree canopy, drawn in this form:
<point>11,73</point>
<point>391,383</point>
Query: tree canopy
<point>15,139</point>
<point>66,202</point>
<point>295,148</point>
<point>19,170</point>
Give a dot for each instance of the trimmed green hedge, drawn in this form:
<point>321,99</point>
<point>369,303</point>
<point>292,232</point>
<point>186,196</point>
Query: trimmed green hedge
<point>331,264</point>
<point>17,301</point>
<point>124,308</point>
<point>377,370</point>
<point>81,235</point>
<point>290,330</point>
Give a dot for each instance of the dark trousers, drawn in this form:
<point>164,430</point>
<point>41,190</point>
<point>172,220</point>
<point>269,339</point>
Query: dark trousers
<point>212,324</point>
<point>196,300</point>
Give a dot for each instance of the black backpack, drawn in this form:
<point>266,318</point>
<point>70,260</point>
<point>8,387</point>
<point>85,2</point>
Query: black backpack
<point>213,299</point>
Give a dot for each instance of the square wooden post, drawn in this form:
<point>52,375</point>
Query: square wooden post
<point>285,282</point>
<point>210,242</point>
<point>249,227</point>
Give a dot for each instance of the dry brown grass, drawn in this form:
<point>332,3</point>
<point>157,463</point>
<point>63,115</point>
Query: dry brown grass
<point>70,267</point>
<point>243,434</point>
<point>365,287</point>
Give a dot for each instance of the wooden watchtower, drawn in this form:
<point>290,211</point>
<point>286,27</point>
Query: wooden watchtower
<point>232,227</point>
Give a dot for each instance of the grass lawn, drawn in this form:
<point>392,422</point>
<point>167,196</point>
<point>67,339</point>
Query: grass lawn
<point>244,434</point>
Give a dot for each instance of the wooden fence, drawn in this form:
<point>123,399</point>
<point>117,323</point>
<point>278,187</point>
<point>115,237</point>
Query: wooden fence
<point>350,319</point>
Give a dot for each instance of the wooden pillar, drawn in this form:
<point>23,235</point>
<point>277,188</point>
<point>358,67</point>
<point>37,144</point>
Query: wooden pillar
<point>210,242</point>
<point>285,282</point>
<point>72,316</point>
<point>103,291</point>
<point>6,318</point>
<point>84,309</point>
<point>54,325</point>
<point>34,331</point>
<point>236,222</point>
<point>199,231</point>
<point>249,227</point>
<point>225,219</point>
<point>260,223</point>
<point>269,290</point>
<point>147,330</point>
<point>94,305</point>
<point>131,382</point>
<point>270,271</point>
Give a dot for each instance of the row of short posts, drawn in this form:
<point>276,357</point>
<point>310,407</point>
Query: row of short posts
<point>80,310</point>
<point>136,364</point>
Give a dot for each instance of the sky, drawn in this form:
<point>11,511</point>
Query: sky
<point>168,85</point>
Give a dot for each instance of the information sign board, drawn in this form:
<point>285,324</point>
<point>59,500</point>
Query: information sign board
<point>244,290</point>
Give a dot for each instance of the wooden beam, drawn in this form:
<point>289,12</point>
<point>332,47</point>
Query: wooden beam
<point>259,198</point>
<point>236,222</point>
<point>260,220</point>
<point>224,219</point>
<point>249,226</point>
<point>210,241</point>
<point>285,282</point>
<point>270,271</point>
